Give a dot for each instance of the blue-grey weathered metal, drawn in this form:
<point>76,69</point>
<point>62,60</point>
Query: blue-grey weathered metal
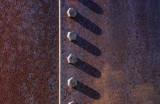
<point>118,51</point>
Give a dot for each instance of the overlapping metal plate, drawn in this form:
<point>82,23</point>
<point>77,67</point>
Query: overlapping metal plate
<point>118,51</point>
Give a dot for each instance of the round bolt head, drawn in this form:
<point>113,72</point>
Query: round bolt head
<point>71,59</point>
<point>71,12</point>
<point>72,82</point>
<point>72,36</point>
<point>72,102</point>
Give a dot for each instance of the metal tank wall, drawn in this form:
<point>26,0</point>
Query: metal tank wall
<point>118,51</point>
<point>29,52</point>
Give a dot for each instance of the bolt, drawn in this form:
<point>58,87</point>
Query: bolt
<point>71,59</point>
<point>71,12</point>
<point>72,36</point>
<point>72,102</point>
<point>72,82</point>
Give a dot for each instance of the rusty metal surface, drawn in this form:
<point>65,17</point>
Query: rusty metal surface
<point>118,52</point>
<point>28,52</point>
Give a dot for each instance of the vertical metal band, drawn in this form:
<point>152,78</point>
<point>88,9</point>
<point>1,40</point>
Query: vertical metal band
<point>59,51</point>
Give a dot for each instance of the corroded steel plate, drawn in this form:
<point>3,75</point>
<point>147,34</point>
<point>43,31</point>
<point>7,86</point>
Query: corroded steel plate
<point>28,52</point>
<point>118,50</point>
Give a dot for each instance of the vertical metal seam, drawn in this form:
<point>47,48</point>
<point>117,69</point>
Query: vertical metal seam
<point>59,51</point>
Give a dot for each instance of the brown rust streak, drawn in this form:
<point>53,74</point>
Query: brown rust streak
<point>29,52</point>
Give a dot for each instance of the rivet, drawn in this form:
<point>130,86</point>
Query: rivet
<point>72,36</point>
<point>72,82</point>
<point>71,59</point>
<point>71,12</point>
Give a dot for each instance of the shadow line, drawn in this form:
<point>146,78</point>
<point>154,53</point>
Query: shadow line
<point>83,21</point>
<point>87,46</point>
<point>85,67</point>
<point>87,91</point>
<point>92,6</point>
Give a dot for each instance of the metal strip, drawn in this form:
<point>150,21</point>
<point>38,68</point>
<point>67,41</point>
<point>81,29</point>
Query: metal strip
<point>59,51</point>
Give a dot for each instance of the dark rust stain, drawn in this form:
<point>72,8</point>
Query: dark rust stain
<point>29,52</point>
